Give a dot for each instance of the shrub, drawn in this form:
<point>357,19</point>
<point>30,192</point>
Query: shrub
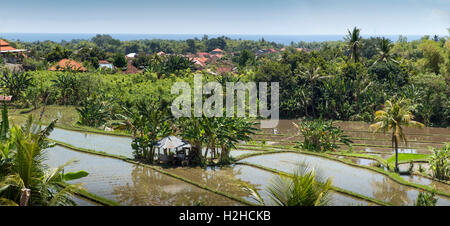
<point>440,163</point>
<point>425,199</point>
<point>320,135</point>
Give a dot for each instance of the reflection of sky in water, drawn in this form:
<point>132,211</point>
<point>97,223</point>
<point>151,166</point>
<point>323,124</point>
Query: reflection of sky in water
<point>130,184</point>
<point>354,179</point>
<point>261,179</point>
<point>106,143</point>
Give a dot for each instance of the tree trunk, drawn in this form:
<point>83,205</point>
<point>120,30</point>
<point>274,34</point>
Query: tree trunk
<point>396,154</point>
<point>24,196</point>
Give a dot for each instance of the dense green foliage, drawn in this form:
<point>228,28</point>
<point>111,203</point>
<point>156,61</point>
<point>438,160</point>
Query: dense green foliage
<point>22,169</point>
<point>340,80</point>
<point>320,135</point>
<point>426,199</point>
<point>440,162</point>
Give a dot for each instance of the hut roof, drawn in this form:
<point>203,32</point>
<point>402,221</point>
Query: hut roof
<point>171,142</point>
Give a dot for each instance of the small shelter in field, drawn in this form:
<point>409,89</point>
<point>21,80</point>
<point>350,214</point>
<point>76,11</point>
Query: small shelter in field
<point>174,150</point>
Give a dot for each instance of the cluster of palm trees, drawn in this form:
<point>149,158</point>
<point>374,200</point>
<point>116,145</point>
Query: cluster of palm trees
<point>151,120</point>
<point>24,178</point>
<point>218,135</point>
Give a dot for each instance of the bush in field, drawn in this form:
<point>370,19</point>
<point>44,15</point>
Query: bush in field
<point>320,135</point>
<point>440,162</point>
<point>425,199</point>
<point>16,83</point>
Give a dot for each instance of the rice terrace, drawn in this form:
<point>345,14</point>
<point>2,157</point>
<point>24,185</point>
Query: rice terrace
<point>113,118</point>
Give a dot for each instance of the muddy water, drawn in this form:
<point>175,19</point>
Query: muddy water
<point>106,143</point>
<point>84,202</point>
<point>130,184</point>
<point>351,178</point>
<point>238,152</point>
<point>360,161</point>
<point>425,181</point>
<point>361,129</point>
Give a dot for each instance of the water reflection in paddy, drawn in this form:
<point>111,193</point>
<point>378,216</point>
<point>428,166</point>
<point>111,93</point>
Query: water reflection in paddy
<point>230,180</point>
<point>130,184</point>
<point>106,143</point>
<point>84,202</point>
<point>351,178</point>
<point>425,181</point>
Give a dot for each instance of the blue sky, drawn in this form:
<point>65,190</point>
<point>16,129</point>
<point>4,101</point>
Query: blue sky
<point>294,17</point>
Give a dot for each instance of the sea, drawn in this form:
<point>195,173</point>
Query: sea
<point>282,39</point>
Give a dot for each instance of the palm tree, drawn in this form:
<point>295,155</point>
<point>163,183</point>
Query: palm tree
<point>354,41</point>
<point>384,51</point>
<point>396,113</point>
<point>304,188</point>
<point>150,122</point>
<point>313,75</point>
<point>25,180</point>
<point>16,83</point>
<point>68,86</point>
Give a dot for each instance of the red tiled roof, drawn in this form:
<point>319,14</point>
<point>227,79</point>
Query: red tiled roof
<point>103,62</point>
<point>3,43</point>
<point>202,54</point>
<point>131,69</point>
<point>217,50</point>
<point>67,63</point>
<point>4,46</point>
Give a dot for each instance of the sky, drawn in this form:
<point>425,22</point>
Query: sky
<point>270,17</point>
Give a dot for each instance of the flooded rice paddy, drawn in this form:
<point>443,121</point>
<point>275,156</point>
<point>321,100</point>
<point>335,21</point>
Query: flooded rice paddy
<point>130,184</point>
<point>358,180</point>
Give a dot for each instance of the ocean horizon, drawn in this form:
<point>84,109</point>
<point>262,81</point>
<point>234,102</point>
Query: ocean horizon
<point>282,39</point>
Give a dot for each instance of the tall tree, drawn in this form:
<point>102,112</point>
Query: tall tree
<point>395,115</point>
<point>354,41</point>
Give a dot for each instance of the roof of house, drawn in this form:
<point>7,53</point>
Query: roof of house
<point>131,69</point>
<point>172,142</point>
<point>131,55</point>
<point>202,54</point>
<point>217,50</point>
<point>3,43</point>
<point>65,64</point>
<point>4,46</point>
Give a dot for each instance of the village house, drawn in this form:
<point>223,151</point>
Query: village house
<point>10,54</point>
<point>105,64</point>
<point>131,55</point>
<point>67,64</point>
<point>217,51</point>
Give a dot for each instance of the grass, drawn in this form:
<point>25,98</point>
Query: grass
<point>407,157</point>
<point>92,197</point>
